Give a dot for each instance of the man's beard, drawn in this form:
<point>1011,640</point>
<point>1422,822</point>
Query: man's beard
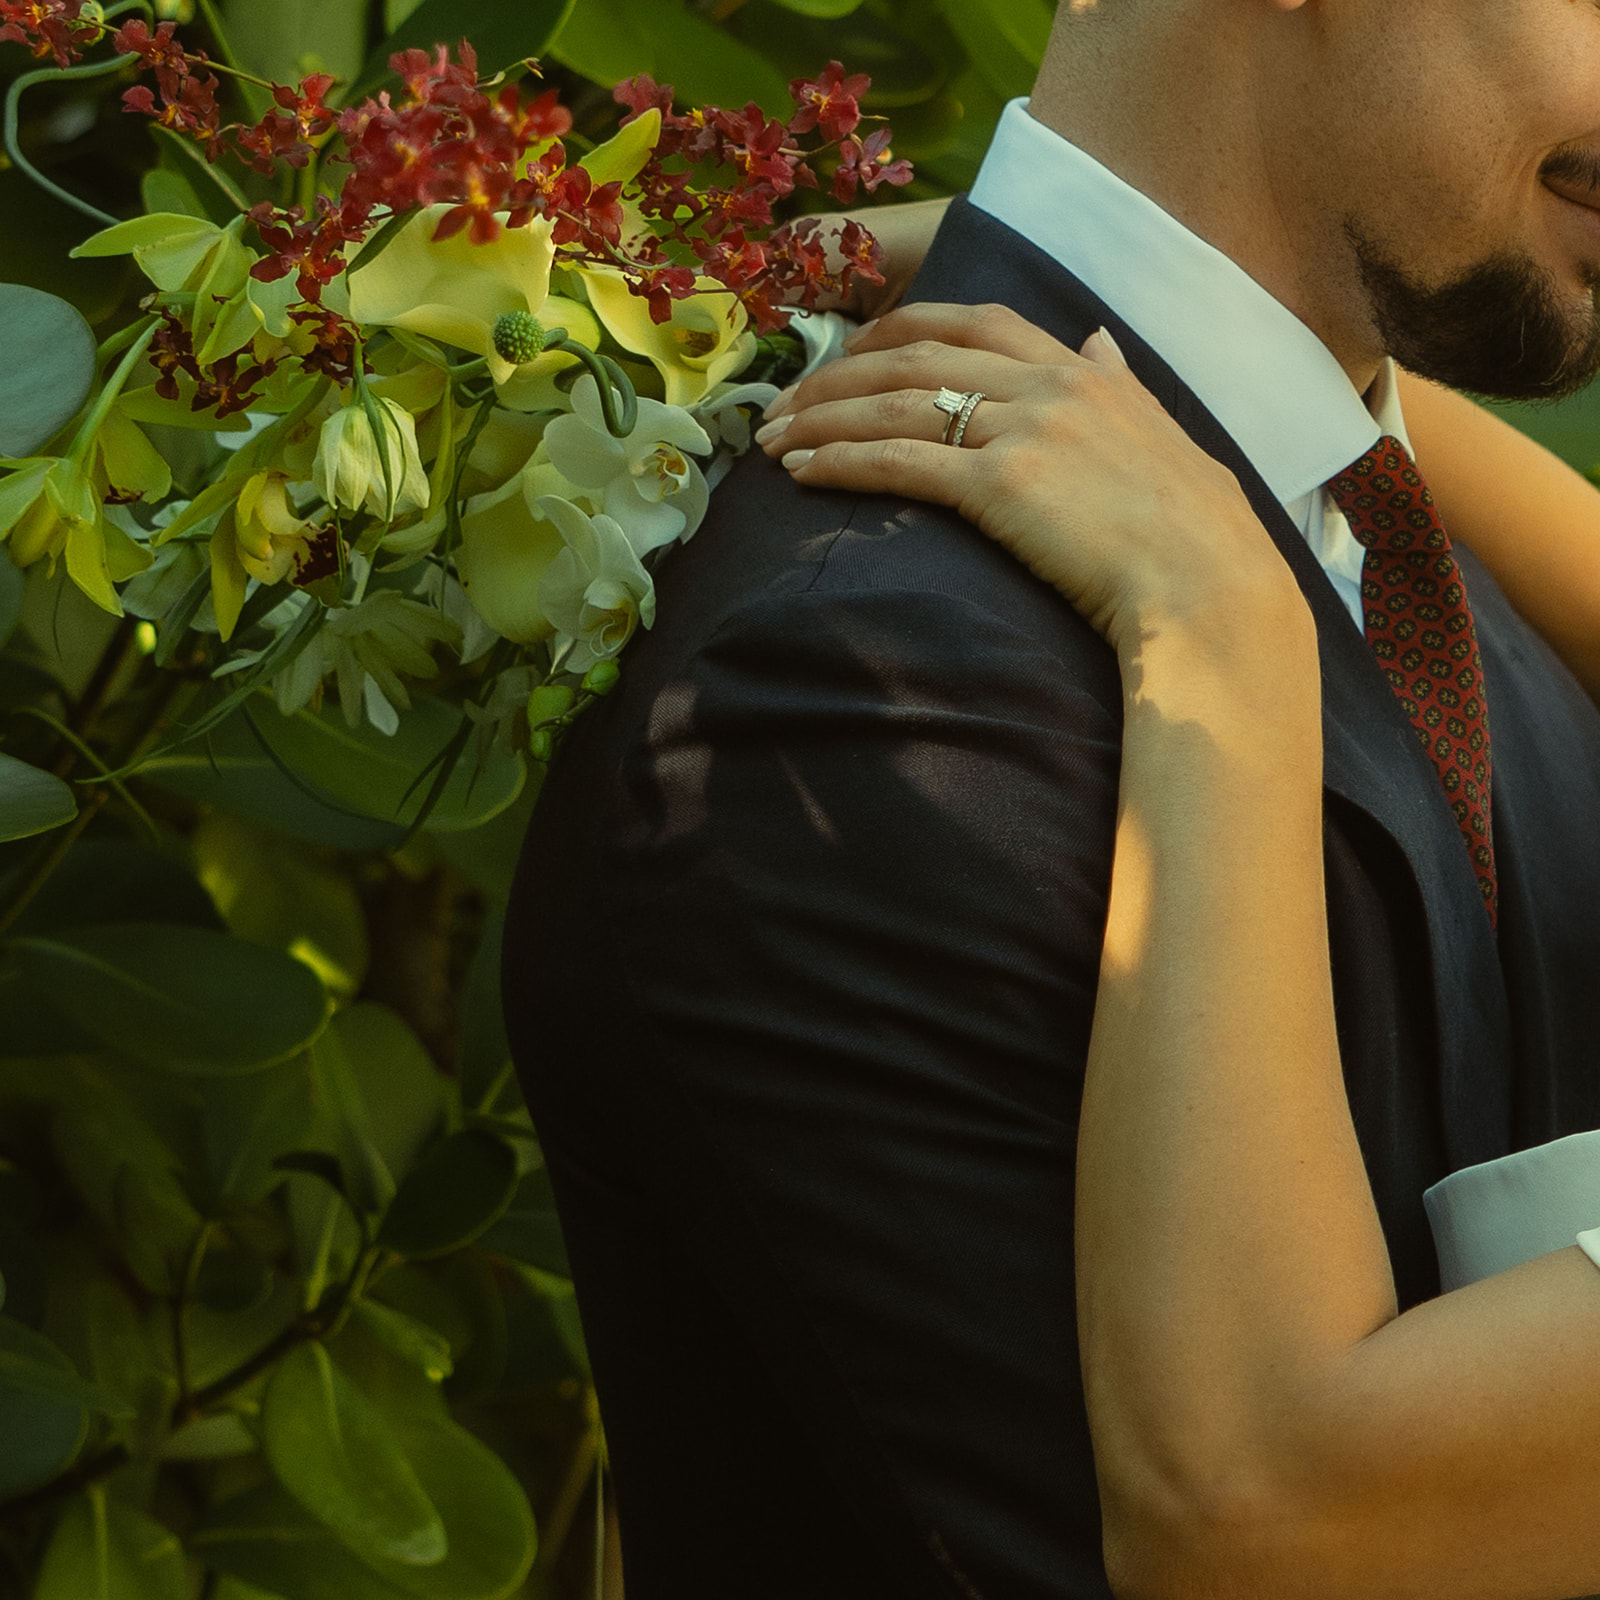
<point>1499,329</point>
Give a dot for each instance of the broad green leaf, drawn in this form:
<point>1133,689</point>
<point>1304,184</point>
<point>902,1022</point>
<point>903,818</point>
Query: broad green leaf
<point>233,1280</point>
<point>530,1231</point>
<point>622,157</point>
<point>113,880</point>
<point>903,67</point>
<point>334,1451</point>
<point>264,1538</point>
<point>12,586</point>
<point>828,9</point>
<point>403,1094</point>
<point>247,1123</point>
<point>229,770</point>
<point>48,368</point>
<point>501,35</point>
<point>282,896</point>
<point>186,999</point>
<point>407,1337</point>
<point>285,39</point>
<point>1005,38</point>
<point>485,1051</point>
<point>30,1364</point>
<point>104,1550</point>
<point>609,40</point>
<point>42,1430</point>
<point>458,1188</point>
<point>162,189</point>
<point>31,801</point>
<point>369,772</point>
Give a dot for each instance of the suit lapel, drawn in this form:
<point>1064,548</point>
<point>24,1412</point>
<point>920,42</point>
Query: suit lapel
<point>1372,757</point>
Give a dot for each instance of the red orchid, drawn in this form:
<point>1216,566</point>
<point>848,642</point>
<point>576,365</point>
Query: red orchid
<point>830,102</point>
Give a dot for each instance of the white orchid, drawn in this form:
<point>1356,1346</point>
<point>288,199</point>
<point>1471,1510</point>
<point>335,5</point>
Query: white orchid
<point>596,591</point>
<point>647,482</point>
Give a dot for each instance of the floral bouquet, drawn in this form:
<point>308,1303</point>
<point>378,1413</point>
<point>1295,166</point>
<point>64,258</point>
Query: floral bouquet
<point>460,390</point>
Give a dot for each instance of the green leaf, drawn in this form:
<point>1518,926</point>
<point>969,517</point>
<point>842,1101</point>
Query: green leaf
<point>413,1341</point>
<point>48,369</point>
<point>185,999</point>
<point>43,1430</point>
<point>264,1538</point>
<point>31,801</point>
<point>279,895</point>
<point>402,1093</point>
<point>333,1450</point>
<point>460,1186</point>
<point>501,35</point>
<point>104,1550</point>
<point>1005,38</point>
<point>162,189</point>
<point>823,8</point>
<point>247,1123</point>
<point>12,588</point>
<point>111,880</point>
<point>30,1364</point>
<point>285,39</point>
<point>609,40</point>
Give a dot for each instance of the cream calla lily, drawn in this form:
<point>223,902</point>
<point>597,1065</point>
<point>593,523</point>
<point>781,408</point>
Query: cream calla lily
<point>706,340</point>
<point>455,291</point>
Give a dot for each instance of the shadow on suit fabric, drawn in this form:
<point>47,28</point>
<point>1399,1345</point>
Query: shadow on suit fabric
<point>799,972</point>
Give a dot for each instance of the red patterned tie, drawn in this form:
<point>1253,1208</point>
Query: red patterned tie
<point>1420,628</point>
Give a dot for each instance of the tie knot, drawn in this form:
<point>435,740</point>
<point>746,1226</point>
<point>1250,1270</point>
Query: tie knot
<point>1386,502</point>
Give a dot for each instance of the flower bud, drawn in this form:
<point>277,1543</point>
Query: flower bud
<point>518,336</point>
<point>602,677</point>
<point>541,746</point>
<point>549,702</point>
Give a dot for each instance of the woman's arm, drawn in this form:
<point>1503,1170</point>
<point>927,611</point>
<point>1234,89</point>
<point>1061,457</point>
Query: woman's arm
<point>1265,1426</point>
<point>1532,520</point>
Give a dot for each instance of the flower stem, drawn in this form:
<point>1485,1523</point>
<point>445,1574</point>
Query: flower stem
<point>91,424</point>
<point>609,379</point>
<point>13,146</point>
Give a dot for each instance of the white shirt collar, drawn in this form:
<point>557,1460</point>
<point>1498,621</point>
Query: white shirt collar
<point>1260,371</point>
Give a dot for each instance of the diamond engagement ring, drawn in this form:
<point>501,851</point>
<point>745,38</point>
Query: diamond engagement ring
<point>959,407</point>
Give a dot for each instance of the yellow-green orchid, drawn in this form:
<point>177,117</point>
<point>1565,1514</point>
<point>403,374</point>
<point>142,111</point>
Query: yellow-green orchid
<point>507,542</point>
<point>49,506</point>
<point>706,340</point>
<point>349,471</point>
<point>455,291</point>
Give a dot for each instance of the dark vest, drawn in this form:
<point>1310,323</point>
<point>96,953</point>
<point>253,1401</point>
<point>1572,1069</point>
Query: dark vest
<point>799,972</point>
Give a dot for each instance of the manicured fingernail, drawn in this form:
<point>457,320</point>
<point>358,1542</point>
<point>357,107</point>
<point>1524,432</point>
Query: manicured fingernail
<point>782,401</point>
<point>860,333</point>
<point>797,459</point>
<point>772,430</point>
<point>1112,345</point>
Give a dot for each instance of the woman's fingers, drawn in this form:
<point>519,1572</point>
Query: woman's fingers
<point>913,468</point>
<point>903,414</point>
<point>922,365</point>
<point>997,329</point>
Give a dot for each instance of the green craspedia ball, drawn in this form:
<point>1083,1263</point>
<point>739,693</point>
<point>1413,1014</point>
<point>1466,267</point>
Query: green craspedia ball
<point>518,336</point>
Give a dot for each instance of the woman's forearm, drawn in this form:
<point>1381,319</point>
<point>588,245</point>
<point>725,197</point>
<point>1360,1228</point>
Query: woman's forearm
<point>1265,1428</point>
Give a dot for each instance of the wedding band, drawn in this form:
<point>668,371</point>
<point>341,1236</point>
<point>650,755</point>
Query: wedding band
<point>959,408</point>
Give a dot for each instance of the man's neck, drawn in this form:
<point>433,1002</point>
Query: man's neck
<point>1206,159</point>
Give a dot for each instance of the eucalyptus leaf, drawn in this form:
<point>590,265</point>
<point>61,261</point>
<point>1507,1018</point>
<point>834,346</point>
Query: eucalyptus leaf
<point>43,1430</point>
<point>103,1549</point>
<point>247,1123</point>
<point>48,370</point>
<point>828,9</point>
<point>332,1449</point>
<point>461,1185</point>
<point>31,801</point>
<point>12,587</point>
<point>182,998</point>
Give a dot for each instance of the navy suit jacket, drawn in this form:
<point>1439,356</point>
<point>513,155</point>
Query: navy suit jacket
<point>799,973</point>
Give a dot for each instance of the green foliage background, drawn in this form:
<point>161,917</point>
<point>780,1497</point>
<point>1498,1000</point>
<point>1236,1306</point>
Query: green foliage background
<point>286,1309</point>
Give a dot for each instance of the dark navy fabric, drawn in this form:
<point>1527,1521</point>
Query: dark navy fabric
<point>799,972</point>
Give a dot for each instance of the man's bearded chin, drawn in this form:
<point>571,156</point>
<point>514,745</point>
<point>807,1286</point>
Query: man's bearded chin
<point>1500,329</point>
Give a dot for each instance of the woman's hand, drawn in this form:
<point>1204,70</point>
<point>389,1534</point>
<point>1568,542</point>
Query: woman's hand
<point>1069,462</point>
